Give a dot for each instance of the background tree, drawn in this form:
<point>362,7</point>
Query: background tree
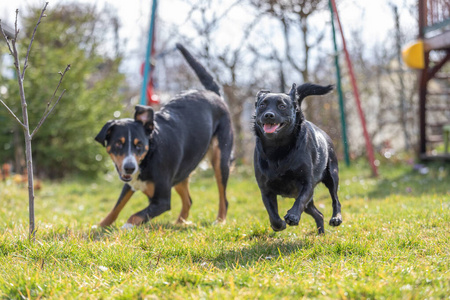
<point>29,132</point>
<point>230,60</point>
<point>252,58</point>
<point>382,93</point>
<point>297,55</point>
<point>76,34</point>
<point>294,20</point>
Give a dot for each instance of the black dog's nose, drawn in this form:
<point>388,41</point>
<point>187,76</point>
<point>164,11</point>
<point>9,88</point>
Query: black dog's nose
<point>269,115</point>
<point>129,168</point>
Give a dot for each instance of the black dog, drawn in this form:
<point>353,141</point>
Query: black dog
<point>292,156</point>
<point>155,151</point>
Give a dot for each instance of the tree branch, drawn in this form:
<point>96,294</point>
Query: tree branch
<point>57,87</point>
<point>46,116</point>
<point>48,111</point>
<point>287,47</point>
<point>25,64</point>
<point>12,114</point>
<point>16,32</point>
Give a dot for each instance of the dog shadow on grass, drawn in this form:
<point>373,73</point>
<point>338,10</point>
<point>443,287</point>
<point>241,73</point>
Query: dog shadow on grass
<point>232,248</point>
<point>265,250</point>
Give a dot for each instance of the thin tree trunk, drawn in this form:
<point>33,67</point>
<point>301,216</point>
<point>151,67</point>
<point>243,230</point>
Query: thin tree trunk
<point>29,157</point>
<point>25,124</point>
<point>28,154</point>
<point>19,153</point>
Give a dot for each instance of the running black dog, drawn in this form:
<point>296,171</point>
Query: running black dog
<point>155,151</point>
<point>292,156</point>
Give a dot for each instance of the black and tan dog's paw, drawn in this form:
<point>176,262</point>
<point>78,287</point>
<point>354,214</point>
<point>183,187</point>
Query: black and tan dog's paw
<point>336,221</point>
<point>278,226</point>
<point>292,219</point>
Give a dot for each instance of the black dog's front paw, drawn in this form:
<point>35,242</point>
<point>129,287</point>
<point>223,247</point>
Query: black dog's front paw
<point>278,225</point>
<point>292,219</point>
<point>336,221</point>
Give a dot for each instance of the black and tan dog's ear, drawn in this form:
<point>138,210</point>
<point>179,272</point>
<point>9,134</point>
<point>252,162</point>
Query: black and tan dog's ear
<point>103,135</point>
<point>260,95</point>
<point>145,115</point>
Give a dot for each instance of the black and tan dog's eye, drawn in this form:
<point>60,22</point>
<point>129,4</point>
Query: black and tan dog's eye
<point>118,145</point>
<point>282,107</point>
<point>139,147</point>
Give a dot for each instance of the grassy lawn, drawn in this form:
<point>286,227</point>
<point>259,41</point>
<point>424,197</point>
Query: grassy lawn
<point>394,242</point>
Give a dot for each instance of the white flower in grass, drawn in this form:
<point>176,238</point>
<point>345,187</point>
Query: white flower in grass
<point>103,269</point>
<point>407,287</point>
<point>127,226</point>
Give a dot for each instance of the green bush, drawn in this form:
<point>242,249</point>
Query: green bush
<point>74,35</point>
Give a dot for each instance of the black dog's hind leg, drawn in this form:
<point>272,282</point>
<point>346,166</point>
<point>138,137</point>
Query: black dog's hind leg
<point>316,214</point>
<point>331,181</point>
<point>126,194</point>
<point>292,217</point>
<point>271,204</point>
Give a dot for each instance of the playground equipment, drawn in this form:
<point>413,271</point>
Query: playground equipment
<point>433,37</point>
<point>370,153</point>
<point>147,83</point>
<point>339,90</point>
<point>413,55</point>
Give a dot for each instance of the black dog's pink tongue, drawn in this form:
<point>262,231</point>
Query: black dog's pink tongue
<point>270,128</point>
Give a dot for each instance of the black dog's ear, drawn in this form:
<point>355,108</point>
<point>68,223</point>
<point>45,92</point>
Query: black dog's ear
<point>103,135</point>
<point>145,115</point>
<point>260,95</point>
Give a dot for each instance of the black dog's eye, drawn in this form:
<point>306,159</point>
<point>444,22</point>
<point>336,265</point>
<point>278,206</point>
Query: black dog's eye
<point>262,105</point>
<point>282,106</point>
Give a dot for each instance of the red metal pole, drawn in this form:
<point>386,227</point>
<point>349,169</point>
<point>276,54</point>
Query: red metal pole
<point>369,147</point>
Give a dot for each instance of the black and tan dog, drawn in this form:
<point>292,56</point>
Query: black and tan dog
<point>292,156</point>
<point>155,151</point>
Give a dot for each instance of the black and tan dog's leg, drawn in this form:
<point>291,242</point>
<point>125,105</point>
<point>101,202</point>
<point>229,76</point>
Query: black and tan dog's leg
<point>186,202</point>
<point>316,214</point>
<point>271,204</point>
<point>159,203</point>
<point>220,162</point>
<point>293,215</point>
<point>331,181</point>
<point>126,194</point>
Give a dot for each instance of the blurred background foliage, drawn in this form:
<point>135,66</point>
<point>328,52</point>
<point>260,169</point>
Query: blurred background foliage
<point>65,143</point>
<point>247,45</point>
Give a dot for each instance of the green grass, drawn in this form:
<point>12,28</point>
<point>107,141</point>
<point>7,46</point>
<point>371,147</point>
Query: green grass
<point>394,242</point>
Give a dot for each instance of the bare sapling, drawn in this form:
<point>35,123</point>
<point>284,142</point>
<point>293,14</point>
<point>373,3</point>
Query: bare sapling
<point>11,41</point>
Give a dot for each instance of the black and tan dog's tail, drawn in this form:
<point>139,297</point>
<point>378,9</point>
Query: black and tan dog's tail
<point>309,89</point>
<point>205,78</point>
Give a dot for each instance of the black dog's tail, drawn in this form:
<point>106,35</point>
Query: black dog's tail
<point>309,89</point>
<point>205,78</point>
